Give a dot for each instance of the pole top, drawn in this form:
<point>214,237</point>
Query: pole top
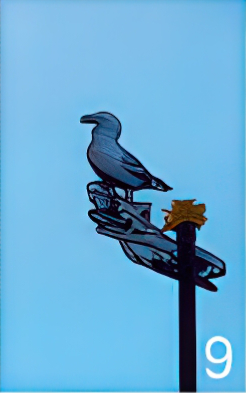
<point>184,211</point>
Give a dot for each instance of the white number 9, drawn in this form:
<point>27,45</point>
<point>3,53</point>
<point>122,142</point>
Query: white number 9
<point>227,358</point>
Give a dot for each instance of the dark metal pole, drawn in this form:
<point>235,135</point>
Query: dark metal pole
<point>186,237</point>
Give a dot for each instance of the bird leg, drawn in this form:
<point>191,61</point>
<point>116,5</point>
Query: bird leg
<point>129,195</point>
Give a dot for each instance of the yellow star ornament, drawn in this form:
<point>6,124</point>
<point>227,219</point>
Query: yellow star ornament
<point>184,211</point>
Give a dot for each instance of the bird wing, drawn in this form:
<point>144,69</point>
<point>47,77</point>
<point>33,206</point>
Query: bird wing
<point>113,160</point>
<point>133,166</point>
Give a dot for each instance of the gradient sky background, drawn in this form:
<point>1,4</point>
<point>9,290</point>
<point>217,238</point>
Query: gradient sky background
<point>76,314</point>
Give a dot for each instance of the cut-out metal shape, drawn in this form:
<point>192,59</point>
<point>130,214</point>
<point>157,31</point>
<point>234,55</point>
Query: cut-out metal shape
<point>111,162</point>
<point>141,241</point>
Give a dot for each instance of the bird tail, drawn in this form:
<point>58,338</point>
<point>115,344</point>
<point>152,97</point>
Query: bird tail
<point>160,185</point>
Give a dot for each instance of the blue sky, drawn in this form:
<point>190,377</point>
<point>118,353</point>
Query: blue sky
<point>76,314</point>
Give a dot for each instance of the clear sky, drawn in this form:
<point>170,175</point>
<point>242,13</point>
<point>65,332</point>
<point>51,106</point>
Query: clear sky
<point>76,313</point>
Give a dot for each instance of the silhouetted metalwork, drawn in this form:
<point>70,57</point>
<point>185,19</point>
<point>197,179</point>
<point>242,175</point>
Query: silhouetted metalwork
<point>144,243</point>
<point>186,238</point>
<point>111,162</point>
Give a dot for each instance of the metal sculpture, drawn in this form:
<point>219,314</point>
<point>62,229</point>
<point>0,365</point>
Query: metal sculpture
<point>142,242</point>
<point>114,164</point>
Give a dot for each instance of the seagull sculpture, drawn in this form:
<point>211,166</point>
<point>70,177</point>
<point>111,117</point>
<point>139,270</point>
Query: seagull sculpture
<point>112,163</point>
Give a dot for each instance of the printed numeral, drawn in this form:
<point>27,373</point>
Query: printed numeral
<point>227,358</point>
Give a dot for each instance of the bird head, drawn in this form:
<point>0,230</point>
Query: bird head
<point>106,124</point>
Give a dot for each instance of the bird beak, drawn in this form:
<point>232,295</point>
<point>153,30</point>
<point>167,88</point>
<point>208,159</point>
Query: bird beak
<point>88,119</point>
